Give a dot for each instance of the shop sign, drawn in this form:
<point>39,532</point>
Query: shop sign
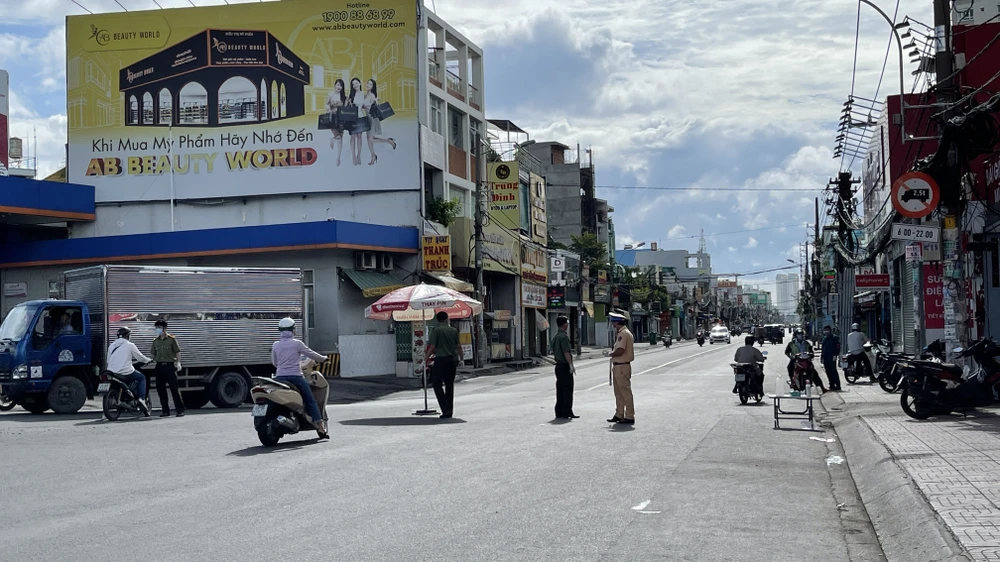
<point>829,275</point>
<point>437,253</point>
<point>419,341</point>
<point>501,315</point>
<point>872,281</point>
<point>465,338</point>
<point>15,289</point>
<point>184,110</point>
<point>915,232</point>
<point>533,296</point>
<point>539,226</point>
<point>534,264</point>
<point>933,298</point>
<point>992,166</point>
<point>915,195</point>
<point>501,251</point>
<point>557,297</point>
<point>602,277</point>
<point>601,293</point>
<point>727,284</point>
<point>913,252</point>
<point>932,251</point>
<point>505,194</point>
<point>557,264</point>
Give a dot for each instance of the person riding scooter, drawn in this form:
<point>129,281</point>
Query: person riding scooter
<point>121,354</point>
<point>750,355</point>
<point>856,341</point>
<point>285,356</point>
<point>798,345</point>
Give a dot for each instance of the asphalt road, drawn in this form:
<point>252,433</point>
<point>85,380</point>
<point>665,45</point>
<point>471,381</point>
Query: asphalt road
<point>698,478</point>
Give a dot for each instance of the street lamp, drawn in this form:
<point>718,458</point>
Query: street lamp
<point>899,42</point>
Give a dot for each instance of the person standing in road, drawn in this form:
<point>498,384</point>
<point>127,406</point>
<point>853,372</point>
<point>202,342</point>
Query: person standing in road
<point>565,370</point>
<point>167,355</point>
<point>829,354</point>
<point>621,371</point>
<point>443,345</point>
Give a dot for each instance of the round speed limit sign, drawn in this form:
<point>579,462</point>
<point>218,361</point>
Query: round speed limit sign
<point>915,194</point>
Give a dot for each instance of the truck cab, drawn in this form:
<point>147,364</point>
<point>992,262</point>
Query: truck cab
<point>46,356</point>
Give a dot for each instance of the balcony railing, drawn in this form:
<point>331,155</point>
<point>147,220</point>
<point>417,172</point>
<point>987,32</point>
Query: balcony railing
<point>454,83</point>
<point>434,70</point>
<point>474,100</point>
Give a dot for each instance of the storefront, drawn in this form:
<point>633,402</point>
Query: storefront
<point>534,279</point>
<point>216,78</point>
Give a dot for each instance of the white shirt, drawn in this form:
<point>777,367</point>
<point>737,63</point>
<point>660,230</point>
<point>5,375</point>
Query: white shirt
<point>121,354</point>
<point>856,342</point>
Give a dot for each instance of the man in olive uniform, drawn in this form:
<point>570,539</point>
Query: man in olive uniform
<point>621,370</point>
<point>563,351</point>
<point>167,355</point>
<point>443,345</point>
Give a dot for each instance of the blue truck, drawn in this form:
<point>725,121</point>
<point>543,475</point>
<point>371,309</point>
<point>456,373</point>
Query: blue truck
<point>53,351</point>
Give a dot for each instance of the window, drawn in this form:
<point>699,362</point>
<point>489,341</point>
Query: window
<point>437,115</point>
<point>387,57</point>
<point>408,89</point>
<point>525,207</point>
<point>456,128</point>
<point>309,286</point>
<point>474,129</point>
<point>54,322</point>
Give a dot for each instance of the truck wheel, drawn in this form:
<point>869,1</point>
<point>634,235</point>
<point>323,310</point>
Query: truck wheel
<point>6,403</point>
<point>67,395</point>
<point>35,403</point>
<point>195,399</point>
<point>229,390</point>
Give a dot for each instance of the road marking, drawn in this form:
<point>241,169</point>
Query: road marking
<point>642,505</point>
<point>667,364</point>
<point>644,511</point>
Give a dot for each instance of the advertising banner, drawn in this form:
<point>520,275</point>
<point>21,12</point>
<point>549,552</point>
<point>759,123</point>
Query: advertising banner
<point>533,296</point>
<point>872,281</point>
<point>534,264</point>
<point>557,297</point>
<point>505,194</point>
<point>4,125</point>
<point>437,253</point>
<point>501,250</point>
<point>245,99</point>
<point>933,299</point>
<point>539,223</point>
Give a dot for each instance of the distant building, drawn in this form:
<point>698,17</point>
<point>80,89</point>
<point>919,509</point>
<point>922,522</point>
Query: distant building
<point>787,289</point>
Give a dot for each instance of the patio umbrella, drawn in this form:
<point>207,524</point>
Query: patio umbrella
<point>419,303</point>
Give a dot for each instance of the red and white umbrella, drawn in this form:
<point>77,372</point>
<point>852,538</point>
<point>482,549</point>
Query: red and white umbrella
<point>422,302</point>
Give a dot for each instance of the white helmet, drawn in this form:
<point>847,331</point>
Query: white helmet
<point>286,325</point>
<point>855,327</point>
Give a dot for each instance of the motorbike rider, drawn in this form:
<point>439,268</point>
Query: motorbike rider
<point>121,354</point>
<point>285,356</point>
<point>749,354</point>
<point>856,341</point>
<point>800,344</point>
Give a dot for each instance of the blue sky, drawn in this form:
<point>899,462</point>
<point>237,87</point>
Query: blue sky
<point>667,93</point>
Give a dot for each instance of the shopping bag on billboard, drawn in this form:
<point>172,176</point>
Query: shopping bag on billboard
<point>347,114</point>
<point>327,121</point>
<point>383,111</point>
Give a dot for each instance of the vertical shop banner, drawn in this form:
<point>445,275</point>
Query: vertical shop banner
<point>505,195</point>
<point>933,302</point>
<point>244,99</point>
<point>4,126</point>
<point>539,222</point>
<point>437,253</point>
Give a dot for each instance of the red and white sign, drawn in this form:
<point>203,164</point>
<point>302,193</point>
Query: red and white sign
<point>933,298</point>
<point>992,166</point>
<point>872,281</point>
<point>915,195</point>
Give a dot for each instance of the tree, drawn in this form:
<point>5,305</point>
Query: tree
<point>593,252</point>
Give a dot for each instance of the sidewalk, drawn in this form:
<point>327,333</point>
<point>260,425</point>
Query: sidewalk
<point>954,462</point>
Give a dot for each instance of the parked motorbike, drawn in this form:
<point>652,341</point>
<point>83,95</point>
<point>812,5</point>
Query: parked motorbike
<point>119,395</point>
<point>701,338</point>
<point>803,371</point>
<point>936,388</point>
<point>749,382</point>
<point>855,368</point>
<point>889,376</point>
<point>279,409</point>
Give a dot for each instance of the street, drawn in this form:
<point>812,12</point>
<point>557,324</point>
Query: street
<point>698,478</point>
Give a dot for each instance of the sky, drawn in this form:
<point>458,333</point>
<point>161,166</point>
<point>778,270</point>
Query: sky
<point>742,94</point>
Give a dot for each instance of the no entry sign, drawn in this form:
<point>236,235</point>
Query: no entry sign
<point>915,195</point>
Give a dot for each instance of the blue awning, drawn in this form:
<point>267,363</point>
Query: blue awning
<point>28,201</point>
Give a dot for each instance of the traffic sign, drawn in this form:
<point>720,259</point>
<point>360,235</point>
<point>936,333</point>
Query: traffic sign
<point>915,195</point>
<point>915,232</point>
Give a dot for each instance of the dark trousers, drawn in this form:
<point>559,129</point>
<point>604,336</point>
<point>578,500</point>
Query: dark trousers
<point>443,379</point>
<point>564,391</point>
<point>830,364</point>
<point>166,375</point>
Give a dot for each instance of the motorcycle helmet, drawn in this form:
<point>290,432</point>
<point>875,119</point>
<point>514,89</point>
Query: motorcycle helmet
<point>286,325</point>
<point>749,340</point>
<point>855,327</point>
<point>124,332</point>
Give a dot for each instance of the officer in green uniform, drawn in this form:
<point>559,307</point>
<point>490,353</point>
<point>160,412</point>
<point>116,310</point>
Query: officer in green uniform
<point>167,355</point>
<point>443,345</point>
<point>563,351</point>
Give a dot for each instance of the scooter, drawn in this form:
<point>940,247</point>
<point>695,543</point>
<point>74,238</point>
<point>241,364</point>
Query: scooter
<point>701,338</point>
<point>749,381</point>
<point>934,388</point>
<point>279,409</point>
<point>890,378</point>
<point>119,395</point>
<point>803,371</point>
<point>855,368</point>
<point>666,340</point>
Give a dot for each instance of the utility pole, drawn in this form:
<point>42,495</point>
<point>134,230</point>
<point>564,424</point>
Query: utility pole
<point>480,289</point>
<point>844,185</point>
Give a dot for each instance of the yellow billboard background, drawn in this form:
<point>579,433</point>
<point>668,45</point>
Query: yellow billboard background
<point>505,194</point>
<point>128,151</point>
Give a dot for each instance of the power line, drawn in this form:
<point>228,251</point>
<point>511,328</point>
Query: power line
<point>885,62</point>
<point>693,187</point>
<point>732,232</point>
<point>854,70</point>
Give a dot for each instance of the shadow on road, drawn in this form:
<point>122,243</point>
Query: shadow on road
<point>124,419</point>
<point>412,420</point>
<point>621,428</point>
<point>26,417</point>
<point>559,421</point>
<point>279,448</point>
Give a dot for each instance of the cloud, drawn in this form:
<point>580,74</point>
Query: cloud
<point>731,249</point>
<point>676,232</point>
<point>751,243</point>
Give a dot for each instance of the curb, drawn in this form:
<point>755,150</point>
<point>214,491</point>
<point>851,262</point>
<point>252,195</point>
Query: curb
<point>908,529</point>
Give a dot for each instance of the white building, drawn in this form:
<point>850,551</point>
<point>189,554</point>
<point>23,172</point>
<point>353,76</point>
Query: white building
<point>787,292</point>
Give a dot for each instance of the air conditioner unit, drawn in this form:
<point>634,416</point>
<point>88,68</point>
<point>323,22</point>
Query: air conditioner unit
<point>385,262</point>
<point>364,260</point>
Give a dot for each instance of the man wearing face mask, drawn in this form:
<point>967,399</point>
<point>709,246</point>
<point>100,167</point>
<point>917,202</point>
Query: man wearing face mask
<point>801,345</point>
<point>830,352</point>
<point>167,355</point>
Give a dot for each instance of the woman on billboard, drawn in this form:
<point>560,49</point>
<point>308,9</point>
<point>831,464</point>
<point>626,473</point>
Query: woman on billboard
<point>361,126</point>
<point>371,101</point>
<point>337,99</point>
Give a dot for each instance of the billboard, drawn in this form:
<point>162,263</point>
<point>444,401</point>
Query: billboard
<point>242,100</point>
<point>437,253</point>
<point>539,226</point>
<point>505,194</point>
<point>4,113</point>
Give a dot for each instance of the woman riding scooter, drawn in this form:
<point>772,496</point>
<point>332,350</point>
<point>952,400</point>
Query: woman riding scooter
<point>285,356</point>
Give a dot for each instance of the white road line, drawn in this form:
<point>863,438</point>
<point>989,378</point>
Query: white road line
<point>642,505</point>
<point>667,364</point>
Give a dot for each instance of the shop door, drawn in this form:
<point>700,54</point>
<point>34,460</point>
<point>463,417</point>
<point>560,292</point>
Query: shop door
<point>531,332</point>
<point>896,312</point>
<point>991,281</point>
<point>906,296</point>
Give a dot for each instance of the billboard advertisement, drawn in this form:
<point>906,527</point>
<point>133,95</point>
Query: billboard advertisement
<point>241,100</point>
<point>505,194</point>
<point>4,113</point>
<point>539,226</point>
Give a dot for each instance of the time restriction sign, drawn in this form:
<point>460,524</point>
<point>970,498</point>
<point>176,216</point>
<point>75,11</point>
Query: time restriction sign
<point>915,195</point>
